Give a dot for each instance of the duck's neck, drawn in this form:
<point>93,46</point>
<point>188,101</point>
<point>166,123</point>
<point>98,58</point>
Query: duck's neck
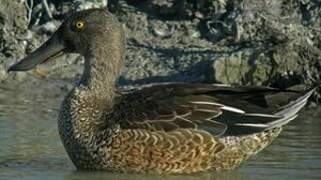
<point>94,96</point>
<point>102,67</point>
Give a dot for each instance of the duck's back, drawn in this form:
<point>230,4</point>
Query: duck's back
<point>183,128</point>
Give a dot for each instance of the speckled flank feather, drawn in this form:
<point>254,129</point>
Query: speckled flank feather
<point>184,151</point>
<point>180,151</point>
<point>162,128</point>
<point>239,149</point>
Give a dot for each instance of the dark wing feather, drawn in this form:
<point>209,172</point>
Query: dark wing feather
<point>219,110</point>
<point>170,113</point>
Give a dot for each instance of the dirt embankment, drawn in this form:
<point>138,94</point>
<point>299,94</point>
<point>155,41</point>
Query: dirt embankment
<point>270,43</point>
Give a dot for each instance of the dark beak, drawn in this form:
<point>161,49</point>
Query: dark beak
<point>50,49</point>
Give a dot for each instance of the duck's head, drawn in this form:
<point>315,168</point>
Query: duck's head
<point>82,32</point>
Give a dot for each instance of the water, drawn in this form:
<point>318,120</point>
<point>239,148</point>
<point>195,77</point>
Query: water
<point>31,149</point>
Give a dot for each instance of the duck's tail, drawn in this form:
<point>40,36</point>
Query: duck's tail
<point>249,123</point>
<point>290,111</point>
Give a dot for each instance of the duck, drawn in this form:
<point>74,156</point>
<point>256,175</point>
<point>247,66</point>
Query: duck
<point>161,128</point>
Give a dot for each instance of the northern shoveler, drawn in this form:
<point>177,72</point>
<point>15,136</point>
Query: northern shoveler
<point>161,128</point>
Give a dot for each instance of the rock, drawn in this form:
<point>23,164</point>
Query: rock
<point>248,42</point>
<point>88,4</point>
<point>278,41</point>
<point>13,24</point>
<point>3,73</point>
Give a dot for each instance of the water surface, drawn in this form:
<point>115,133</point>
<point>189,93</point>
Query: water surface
<point>30,147</point>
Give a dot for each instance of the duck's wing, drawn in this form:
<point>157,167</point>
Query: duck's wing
<point>217,109</point>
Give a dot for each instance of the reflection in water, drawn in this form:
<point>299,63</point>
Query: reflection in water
<point>203,176</point>
<point>31,149</point>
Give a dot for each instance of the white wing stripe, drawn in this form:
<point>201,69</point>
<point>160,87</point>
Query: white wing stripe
<point>206,103</point>
<point>263,115</point>
<point>233,109</point>
<point>253,125</point>
<point>221,106</point>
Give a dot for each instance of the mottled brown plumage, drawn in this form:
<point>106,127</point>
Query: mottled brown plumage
<point>163,128</point>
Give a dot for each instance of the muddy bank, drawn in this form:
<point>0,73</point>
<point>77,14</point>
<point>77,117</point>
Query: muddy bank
<point>270,43</point>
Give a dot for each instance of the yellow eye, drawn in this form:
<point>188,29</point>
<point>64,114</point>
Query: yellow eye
<point>79,25</point>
